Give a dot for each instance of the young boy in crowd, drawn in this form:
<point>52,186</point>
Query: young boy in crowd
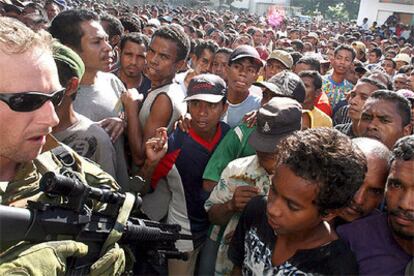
<point>317,172</point>
<point>313,84</point>
<point>242,72</point>
<point>177,173</point>
<point>246,177</point>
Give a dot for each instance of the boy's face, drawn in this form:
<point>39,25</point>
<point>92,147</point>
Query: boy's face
<point>241,74</point>
<point>311,93</point>
<point>219,66</point>
<point>291,205</point>
<point>388,66</point>
<point>162,60</point>
<point>342,61</point>
<point>205,115</point>
<point>357,98</point>
<point>267,160</point>
<point>273,67</point>
<point>372,57</point>
<point>202,64</point>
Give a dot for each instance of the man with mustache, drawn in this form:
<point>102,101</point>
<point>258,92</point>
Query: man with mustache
<point>384,244</point>
<point>386,116</point>
<point>133,48</point>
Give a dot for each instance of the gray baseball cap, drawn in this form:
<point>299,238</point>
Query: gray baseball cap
<point>275,120</point>
<point>290,85</point>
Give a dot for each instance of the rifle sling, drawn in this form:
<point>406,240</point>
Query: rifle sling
<point>117,231</point>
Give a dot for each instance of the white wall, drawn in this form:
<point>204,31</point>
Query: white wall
<point>251,4</point>
<point>376,11</point>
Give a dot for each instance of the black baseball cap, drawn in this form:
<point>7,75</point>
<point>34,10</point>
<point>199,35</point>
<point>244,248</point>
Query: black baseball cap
<point>245,51</point>
<point>206,87</point>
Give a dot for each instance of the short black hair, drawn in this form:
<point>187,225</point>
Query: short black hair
<point>373,82</point>
<point>403,106</point>
<point>66,26</point>
<point>313,62</point>
<point>403,149</point>
<point>131,23</point>
<point>115,26</point>
<point>327,158</point>
<point>382,77</point>
<point>394,64</point>
<point>205,45</point>
<point>175,33</point>
<point>224,50</point>
<point>137,38</point>
<point>377,51</point>
<point>298,43</point>
<point>315,76</point>
<point>346,48</point>
<point>296,56</point>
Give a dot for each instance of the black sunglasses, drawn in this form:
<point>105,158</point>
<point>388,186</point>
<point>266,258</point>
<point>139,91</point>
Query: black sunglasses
<point>30,101</point>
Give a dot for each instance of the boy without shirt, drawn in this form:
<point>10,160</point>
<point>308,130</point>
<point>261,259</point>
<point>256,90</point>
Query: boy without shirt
<point>317,172</point>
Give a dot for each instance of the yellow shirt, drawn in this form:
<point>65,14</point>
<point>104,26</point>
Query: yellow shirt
<point>318,118</point>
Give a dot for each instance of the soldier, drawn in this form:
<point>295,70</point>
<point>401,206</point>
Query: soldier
<point>30,90</point>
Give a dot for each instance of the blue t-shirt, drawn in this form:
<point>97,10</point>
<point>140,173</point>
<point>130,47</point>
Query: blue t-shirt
<point>236,112</point>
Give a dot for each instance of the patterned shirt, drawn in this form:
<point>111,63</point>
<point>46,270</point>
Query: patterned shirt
<point>240,172</point>
<point>335,91</point>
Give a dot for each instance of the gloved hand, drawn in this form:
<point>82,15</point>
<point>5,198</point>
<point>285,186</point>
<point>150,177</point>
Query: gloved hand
<point>48,258</point>
<point>111,263</point>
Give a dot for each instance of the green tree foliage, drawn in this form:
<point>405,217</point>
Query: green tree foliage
<point>330,9</point>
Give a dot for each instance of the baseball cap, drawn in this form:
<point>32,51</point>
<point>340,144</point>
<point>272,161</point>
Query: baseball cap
<point>403,57</point>
<point>245,51</point>
<point>313,35</point>
<point>270,86</point>
<point>67,56</point>
<point>206,87</point>
<point>284,57</point>
<point>290,85</point>
<point>275,120</point>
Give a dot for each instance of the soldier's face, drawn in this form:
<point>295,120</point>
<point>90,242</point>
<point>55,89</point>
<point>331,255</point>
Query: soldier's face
<point>23,134</point>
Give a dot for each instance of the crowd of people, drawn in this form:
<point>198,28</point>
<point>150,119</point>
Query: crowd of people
<point>282,149</point>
